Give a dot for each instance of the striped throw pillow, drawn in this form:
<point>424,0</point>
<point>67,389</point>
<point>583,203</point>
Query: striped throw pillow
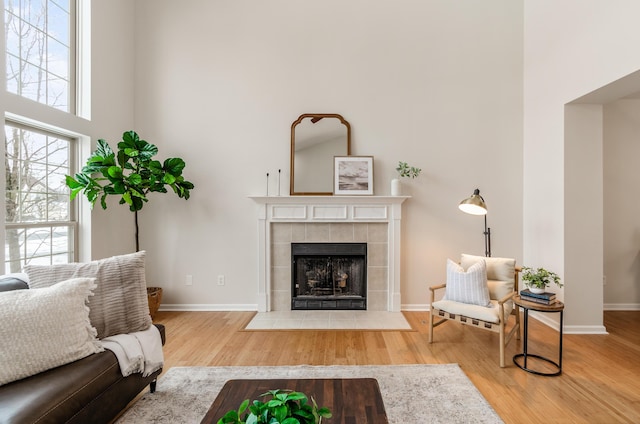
<point>468,286</point>
<point>119,304</point>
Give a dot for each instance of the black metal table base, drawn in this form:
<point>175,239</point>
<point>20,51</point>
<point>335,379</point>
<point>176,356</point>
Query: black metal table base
<point>525,355</point>
<point>530,355</point>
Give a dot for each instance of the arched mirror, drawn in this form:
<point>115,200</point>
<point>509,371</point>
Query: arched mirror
<point>315,139</point>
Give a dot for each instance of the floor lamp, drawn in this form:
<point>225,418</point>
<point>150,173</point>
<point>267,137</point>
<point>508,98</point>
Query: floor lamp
<point>475,205</point>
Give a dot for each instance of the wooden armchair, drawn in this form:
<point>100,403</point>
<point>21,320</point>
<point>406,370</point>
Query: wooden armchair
<point>502,283</point>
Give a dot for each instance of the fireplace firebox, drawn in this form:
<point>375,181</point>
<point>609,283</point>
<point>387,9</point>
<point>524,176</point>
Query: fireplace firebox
<point>329,276</point>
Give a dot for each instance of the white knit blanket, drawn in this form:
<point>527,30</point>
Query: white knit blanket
<point>139,352</point>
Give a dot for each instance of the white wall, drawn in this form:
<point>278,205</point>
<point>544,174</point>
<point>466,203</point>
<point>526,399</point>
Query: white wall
<point>571,48</point>
<point>218,83</point>
<point>621,204</point>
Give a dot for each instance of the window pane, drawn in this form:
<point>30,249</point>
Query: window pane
<point>39,51</point>
<point>34,147</point>
<point>13,74</point>
<point>14,249</point>
<point>35,12</point>
<point>38,242</point>
<point>31,86</point>
<point>58,151</point>
<point>58,22</point>
<point>58,59</point>
<point>37,199</point>
<point>60,240</point>
<point>58,93</point>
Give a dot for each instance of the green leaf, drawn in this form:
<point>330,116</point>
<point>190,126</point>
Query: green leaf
<point>115,172</point>
<point>119,187</point>
<point>324,412</point>
<point>174,166</point>
<point>137,204</point>
<point>74,192</point>
<point>243,406</point>
<point>134,179</point>
<point>148,150</point>
<point>129,138</point>
<point>103,149</point>
<point>168,179</point>
<point>103,201</point>
<point>131,152</point>
<point>126,196</point>
<point>296,396</point>
<point>72,183</point>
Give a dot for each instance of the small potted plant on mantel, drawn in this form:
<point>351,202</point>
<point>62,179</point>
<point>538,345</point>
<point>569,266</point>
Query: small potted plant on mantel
<point>404,171</point>
<point>538,279</point>
<point>284,407</point>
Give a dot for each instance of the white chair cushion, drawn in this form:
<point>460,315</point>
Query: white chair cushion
<point>500,273</point>
<point>474,311</point>
<point>468,286</point>
<point>503,269</point>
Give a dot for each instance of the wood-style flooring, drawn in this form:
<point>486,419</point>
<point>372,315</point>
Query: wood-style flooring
<point>600,382</point>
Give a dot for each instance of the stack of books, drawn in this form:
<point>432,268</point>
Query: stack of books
<point>545,298</point>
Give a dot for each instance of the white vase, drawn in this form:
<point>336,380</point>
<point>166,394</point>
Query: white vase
<point>536,290</point>
<point>396,187</point>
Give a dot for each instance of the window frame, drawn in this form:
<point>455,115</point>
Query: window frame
<point>74,212</point>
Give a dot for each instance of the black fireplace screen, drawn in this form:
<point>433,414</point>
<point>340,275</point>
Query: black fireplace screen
<point>329,275</point>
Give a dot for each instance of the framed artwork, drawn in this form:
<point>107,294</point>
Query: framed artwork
<point>353,175</point>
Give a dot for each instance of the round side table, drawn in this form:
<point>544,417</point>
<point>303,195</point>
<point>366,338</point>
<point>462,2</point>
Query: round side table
<point>538,307</point>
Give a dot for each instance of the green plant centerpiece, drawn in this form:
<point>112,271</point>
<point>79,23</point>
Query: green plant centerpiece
<point>131,174</point>
<point>283,407</point>
<point>406,171</point>
<point>538,279</point>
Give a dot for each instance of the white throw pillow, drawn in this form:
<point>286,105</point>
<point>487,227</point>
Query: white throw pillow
<point>45,328</point>
<point>468,286</point>
<point>120,304</point>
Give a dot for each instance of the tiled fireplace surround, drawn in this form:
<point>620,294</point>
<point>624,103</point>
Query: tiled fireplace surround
<point>374,220</point>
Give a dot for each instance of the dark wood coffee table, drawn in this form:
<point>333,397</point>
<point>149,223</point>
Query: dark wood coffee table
<point>351,400</point>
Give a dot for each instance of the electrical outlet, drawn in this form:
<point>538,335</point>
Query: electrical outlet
<point>221,280</point>
<point>189,280</point>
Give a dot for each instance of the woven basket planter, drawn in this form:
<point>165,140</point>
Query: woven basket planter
<point>154,295</point>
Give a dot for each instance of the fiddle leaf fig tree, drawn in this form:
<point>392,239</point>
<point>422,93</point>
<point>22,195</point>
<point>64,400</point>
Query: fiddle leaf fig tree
<point>131,174</point>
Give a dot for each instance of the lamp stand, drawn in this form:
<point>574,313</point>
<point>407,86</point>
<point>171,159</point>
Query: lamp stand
<point>487,239</point>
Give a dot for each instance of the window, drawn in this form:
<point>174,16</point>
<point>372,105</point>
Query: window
<point>40,219</point>
<point>40,50</point>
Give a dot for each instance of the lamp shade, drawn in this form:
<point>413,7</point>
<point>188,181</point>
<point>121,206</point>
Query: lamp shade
<point>474,205</point>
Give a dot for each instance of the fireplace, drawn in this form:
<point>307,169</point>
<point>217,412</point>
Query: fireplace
<point>329,276</point>
<point>374,220</point>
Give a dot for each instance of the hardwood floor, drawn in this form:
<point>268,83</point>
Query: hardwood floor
<point>600,382</point>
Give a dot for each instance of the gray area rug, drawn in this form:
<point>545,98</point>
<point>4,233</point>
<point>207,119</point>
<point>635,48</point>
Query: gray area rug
<point>411,393</point>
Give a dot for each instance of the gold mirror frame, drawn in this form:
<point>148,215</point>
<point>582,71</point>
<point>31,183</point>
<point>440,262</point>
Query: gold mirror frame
<point>340,147</point>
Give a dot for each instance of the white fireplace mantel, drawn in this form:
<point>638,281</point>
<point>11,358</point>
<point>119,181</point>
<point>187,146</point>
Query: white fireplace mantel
<point>329,209</point>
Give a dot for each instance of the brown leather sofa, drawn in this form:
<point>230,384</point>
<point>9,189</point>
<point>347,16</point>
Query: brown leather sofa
<point>90,390</point>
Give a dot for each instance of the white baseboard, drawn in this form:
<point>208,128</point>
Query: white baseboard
<point>585,329</point>
<point>415,307</point>
<point>622,306</point>
<point>207,307</point>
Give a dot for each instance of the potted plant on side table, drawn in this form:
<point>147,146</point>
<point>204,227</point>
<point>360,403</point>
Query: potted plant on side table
<point>538,279</point>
